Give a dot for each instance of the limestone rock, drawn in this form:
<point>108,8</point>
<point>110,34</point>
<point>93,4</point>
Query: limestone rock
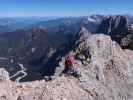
<point>107,76</point>
<point>114,25</point>
<point>119,29</point>
<point>4,76</point>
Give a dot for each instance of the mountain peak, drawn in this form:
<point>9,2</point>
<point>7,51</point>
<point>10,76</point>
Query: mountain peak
<point>119,29</point>
<point>113,24</point>
<point>82,34</point>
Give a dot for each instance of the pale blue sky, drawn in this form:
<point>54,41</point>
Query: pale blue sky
<point>64,7</point>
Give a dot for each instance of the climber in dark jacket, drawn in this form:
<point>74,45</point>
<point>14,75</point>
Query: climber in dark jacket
<point>86,53</point>
<point>84,56</point>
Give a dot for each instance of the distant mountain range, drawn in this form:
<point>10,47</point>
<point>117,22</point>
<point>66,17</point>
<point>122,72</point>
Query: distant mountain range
<point>8,24</point>
<point>38,54</point>
<point>39,42</point>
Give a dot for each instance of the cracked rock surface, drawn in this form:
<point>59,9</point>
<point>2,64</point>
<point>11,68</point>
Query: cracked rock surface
<point>107,76</point>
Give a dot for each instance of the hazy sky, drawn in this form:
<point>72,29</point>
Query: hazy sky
<point>64,7</point>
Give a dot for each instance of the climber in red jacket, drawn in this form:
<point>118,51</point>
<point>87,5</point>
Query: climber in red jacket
<point>71,66</point>
<point>69,61</point>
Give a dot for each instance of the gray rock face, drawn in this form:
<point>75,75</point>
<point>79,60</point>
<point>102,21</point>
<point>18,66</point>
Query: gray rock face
<point>81,36</point>
<point>4,76</point>
<point>119,29</point>
<point>114,25</point>
<point>109,74</point>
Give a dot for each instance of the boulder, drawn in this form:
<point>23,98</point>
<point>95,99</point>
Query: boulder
<point>4,75</point>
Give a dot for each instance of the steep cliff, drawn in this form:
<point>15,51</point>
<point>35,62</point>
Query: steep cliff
<point>120,30</point>
<point>106,75</point>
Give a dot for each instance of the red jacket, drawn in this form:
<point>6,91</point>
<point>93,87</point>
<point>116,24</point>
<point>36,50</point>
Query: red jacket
<point>69,60</point>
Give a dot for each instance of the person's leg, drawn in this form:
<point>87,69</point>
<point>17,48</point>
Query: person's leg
<point>67,70</point>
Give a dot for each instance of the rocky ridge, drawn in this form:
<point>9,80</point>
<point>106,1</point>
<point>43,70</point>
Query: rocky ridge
<point>107,76</point>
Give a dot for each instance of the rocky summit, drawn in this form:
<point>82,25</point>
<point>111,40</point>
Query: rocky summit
<point>107,74</point>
